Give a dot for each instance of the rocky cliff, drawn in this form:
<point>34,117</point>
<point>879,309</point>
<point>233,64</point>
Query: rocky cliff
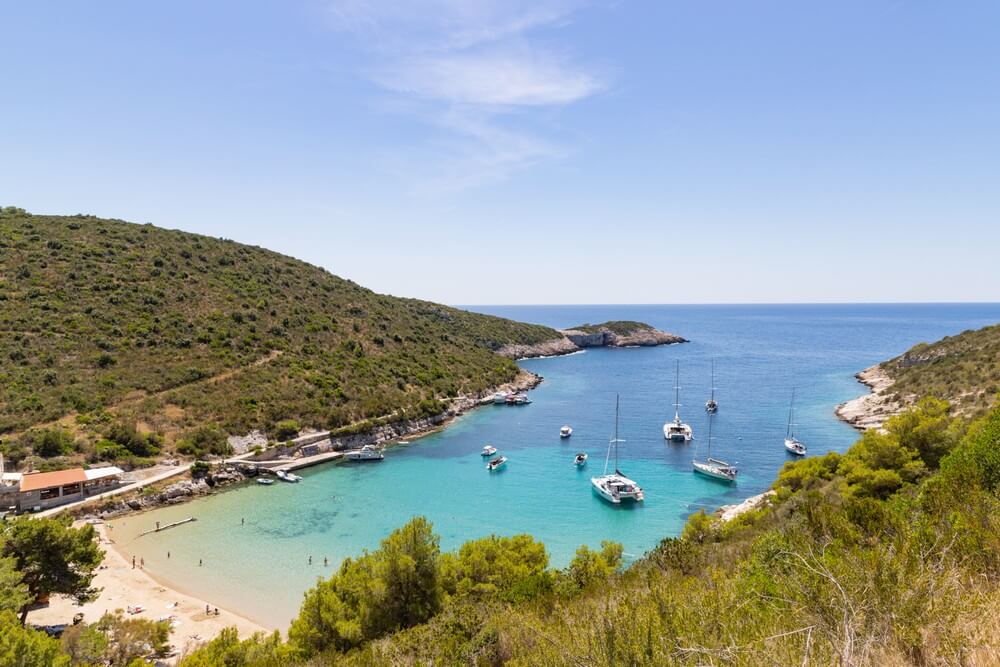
<point>609,334</point>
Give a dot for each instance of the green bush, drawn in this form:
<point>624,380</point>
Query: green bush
<point>204,441</point>
<point>286,430</point>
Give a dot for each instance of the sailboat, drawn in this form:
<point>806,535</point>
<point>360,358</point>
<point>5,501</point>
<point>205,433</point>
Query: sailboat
<point>711,405</point>
<point>615,487</point>
<point>714,468</point>
<point>676,430</point>
<point>793,444</point>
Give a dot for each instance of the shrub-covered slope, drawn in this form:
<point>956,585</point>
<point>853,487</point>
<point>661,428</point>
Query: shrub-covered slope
<point>962,369</point>
<point>175,329</point>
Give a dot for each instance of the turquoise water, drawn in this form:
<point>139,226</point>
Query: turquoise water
<point>260,567</point>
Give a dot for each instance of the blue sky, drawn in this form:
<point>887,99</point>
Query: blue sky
<point>551,151</point>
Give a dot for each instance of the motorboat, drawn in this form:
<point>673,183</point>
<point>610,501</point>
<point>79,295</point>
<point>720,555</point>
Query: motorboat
<point>615,487</point>
<point>500,398</point>
<point>366,453</point>
<point>792,444</point>
<point>518,399</point>
<point>488,450</point>
<point>714,468</point>
<point>565,432</point>
<point>497,463</point>
<point>286,476</point>
<point>580,459</point>
<point>676,430</point>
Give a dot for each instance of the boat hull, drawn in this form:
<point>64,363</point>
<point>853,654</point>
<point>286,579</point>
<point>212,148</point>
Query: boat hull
<point>713,472</point>
<point>674,435</point>
<point>795,447</point>
<point>605,490</point>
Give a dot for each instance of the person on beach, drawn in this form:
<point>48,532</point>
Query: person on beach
<point>133,562</point>
<point>168,554</point>
<point>310,560</point>
<point>199,562</point>
<point>243,521</point>
<point>207,610</point>
<point>324,561</point>
<point>142,563</point>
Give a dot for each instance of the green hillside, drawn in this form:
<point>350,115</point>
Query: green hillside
<point>107,321</point>
<point>620,327</point>
<point>962,369</point>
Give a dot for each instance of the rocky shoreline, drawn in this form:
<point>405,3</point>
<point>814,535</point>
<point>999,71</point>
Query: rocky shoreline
<point>874,408</point>
<point>574,340</point>
<point>238,471</point>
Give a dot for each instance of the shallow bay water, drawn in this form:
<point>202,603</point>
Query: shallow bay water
<point>254,542</point>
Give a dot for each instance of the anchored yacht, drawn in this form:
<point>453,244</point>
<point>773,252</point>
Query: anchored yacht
<point>714,468</point>
<point>793,444</point>
<point>677,431</point>
<point>615,487</point>
<point>366,453</point>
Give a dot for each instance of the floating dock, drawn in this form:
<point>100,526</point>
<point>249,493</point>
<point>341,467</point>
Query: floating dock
<point>169,525</point>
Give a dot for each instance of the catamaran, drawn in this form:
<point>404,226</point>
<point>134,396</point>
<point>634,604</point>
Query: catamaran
<point>711,405</point>
<point>615,487</point>
<point>676,430</point>
<point>714,468</point>
<point>793,444</point>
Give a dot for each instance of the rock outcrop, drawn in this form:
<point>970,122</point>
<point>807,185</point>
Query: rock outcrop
<point>872,409</point>
<point>631,334</point>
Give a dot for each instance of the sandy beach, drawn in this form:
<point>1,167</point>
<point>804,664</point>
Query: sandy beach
<point>124,587</point>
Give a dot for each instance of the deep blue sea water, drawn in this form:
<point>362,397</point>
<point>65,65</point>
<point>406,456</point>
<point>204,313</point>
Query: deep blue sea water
<point>761,352</point>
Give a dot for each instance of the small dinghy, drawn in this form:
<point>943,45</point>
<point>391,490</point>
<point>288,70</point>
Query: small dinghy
<point>488,450</point>
<point>496,463</point>
<point>266,481</point>
<point>580,459</point>
<point>565,432</point>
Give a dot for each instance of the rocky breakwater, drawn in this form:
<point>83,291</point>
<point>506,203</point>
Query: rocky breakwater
<point>172,494</point>
<point>609,334</point>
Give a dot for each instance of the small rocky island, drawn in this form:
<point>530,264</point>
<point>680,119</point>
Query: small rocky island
<point>608,334</point>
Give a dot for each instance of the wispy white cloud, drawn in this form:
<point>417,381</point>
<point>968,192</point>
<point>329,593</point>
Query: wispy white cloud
<point>498,77</point>
<point>475,69</point>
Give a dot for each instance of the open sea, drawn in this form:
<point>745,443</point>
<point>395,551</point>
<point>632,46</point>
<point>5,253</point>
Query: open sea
<point>260,568</point>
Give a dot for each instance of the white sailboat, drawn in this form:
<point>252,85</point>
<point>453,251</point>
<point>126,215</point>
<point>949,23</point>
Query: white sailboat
<point>677,431</point>
<point>711,405</point>
<point>714,468</point>
<point>615,487</point>
<point>793,444</point>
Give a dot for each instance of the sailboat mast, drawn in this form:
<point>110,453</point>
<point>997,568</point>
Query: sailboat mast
<point>677,393</point>
<point>791,410</point>
<point>616,433</point>
<point>710,415</point>
<point>713,379</point>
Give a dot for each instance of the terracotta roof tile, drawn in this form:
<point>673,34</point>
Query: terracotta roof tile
<point>44,480</point>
